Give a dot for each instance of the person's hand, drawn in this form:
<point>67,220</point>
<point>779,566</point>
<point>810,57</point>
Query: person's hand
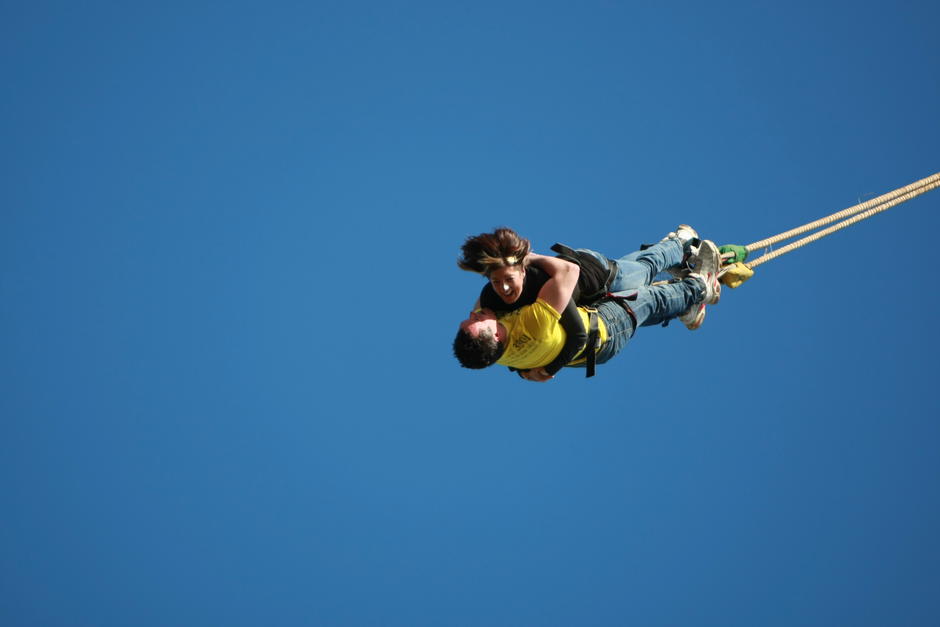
<point>536,374</point>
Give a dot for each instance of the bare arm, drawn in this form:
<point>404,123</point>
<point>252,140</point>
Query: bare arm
<point>551,265</point>
<point>563,277</point>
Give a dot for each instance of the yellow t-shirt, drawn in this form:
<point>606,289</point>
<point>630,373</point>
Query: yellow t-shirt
<point>534,336</point>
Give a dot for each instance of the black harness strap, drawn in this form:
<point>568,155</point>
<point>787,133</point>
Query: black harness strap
<point>590,350</point>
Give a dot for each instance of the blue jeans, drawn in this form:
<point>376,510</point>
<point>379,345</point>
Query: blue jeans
<point>652,304</point>
<point>641,267</point>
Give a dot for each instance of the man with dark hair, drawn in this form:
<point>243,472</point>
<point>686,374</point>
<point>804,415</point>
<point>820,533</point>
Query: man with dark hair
<point>530,337</point>
<point>481,349</point>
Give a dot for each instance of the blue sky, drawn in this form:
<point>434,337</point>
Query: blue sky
<point>228,293</point>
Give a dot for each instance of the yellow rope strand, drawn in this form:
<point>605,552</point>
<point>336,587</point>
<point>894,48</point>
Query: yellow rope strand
<point>907,192</point>
<point>894,198</point>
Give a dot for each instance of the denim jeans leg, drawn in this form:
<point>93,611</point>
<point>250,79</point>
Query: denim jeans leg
<point>653,305</point>
<point>658,303</point>
<point>620,329</point>
<point>641,267</point>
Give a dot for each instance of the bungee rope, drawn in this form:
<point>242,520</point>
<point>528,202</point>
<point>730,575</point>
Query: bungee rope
<point>733,256</point>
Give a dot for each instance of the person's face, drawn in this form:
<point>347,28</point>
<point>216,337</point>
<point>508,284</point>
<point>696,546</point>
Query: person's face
<point>479,321</point>
<point>507,281</point>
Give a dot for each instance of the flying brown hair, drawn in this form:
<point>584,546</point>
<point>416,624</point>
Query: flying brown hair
<point>485,252</point>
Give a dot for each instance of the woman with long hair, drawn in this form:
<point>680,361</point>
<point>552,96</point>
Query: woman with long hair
<point>516,277</point>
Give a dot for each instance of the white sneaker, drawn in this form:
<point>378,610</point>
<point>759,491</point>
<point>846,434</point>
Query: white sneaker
<point>693,317</point>
<point>684,233</point>
<point>688,238</point>
<point>712,287</point>
<point>706,259</point>
<point>705,265</point>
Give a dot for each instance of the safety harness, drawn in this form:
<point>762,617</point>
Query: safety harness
<point>598,291</point>
<point>593,290</point>
<point>589,353</point>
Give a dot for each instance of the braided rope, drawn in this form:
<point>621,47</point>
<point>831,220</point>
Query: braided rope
<point>841,225</point>
<point>907,192</point>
